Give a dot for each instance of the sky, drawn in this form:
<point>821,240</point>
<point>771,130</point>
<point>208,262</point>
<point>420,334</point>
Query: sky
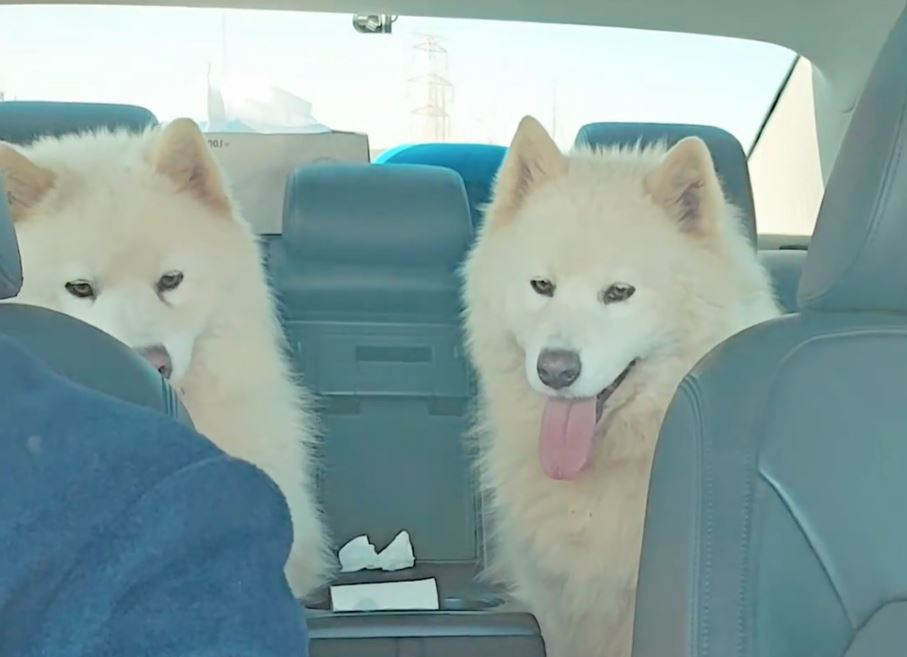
<point>564,75</point>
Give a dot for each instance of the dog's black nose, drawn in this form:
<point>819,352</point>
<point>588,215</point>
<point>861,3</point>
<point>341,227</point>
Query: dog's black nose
<point>159,358</point>
<point>558,368</point>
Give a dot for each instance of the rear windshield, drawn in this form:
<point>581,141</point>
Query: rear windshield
<point>428,80</point>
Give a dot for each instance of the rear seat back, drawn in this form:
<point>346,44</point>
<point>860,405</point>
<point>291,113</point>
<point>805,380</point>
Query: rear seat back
<point>477,165</point>
<point>367,273</point>
<point>731,165</point>
<point>21,122</point>
<point>785,266</point>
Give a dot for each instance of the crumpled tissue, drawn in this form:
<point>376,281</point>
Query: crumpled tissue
<point>360,554</point>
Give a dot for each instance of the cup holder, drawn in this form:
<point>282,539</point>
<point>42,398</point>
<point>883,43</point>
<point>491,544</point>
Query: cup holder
<point>471,603</point>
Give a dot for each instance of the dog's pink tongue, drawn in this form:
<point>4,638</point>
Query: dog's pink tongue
<point>565,443</point>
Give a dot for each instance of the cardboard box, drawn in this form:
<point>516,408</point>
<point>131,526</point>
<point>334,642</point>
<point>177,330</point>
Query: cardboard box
<point>257,166</point>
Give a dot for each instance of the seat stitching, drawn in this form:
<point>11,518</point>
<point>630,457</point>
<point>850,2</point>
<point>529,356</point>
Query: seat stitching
<point>704,521</point>
<point>744,546</point>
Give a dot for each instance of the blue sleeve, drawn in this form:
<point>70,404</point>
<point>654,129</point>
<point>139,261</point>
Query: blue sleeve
<point>124,533</point>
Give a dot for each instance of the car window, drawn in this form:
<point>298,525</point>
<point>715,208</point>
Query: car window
<point>785,168</point>
<point>430,79</point>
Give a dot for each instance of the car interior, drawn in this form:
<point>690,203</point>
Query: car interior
<point>772,529</point>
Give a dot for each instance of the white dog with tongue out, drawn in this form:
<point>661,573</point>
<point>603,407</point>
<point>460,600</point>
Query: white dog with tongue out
<point>598,280</point>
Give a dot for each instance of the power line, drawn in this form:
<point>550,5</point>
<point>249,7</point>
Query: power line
<point>432,115</point>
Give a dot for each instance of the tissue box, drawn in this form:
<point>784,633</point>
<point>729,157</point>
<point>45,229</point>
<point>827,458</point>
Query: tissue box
<point>257,166</point>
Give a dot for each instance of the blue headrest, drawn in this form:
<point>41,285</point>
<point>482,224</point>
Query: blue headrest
<point>10,263</point>
<point>857,257</point>
<point>374,238</point>
<point>22,122</point>
<point>727,154</point>
<point>477,165</point>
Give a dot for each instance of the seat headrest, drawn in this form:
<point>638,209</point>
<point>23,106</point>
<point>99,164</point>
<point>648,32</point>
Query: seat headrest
<point>477,165</point>
<point>10,262</point>
<point>858,254</point>
<point>727,154</point>
<point>376,215</point>
<point>373,240</point>
<point>22,122</point>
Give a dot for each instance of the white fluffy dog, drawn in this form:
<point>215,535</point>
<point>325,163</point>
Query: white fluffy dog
<point>598,280</point>
<point>137,235</point>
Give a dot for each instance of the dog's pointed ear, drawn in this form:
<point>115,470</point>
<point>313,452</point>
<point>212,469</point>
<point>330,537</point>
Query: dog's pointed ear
<point>686,186</point>
<point>24,181</point>
<point>532,160</point>
<point>182,155</point>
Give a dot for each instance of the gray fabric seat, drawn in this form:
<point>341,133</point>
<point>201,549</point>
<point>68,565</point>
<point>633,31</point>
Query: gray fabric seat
<point>72,348</point>
<point>730,162</point>
<point>775,525</point>
<point>367,277</point>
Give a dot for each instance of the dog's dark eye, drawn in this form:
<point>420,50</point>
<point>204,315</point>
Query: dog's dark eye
<point>169,281</point>
<point>542,286</point>
<point>618,292</point>
<point>81,289</point>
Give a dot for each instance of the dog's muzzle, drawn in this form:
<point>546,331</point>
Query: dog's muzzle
<point>159,358</point>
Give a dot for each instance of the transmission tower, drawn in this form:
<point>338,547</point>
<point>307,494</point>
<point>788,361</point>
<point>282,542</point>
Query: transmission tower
<point>434,91</point>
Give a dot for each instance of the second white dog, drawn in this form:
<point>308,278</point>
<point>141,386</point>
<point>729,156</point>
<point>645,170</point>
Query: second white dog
<point>597,282</point>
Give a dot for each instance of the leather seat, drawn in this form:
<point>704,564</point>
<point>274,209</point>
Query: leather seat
<point>775,525</point>
<point>785,267</point>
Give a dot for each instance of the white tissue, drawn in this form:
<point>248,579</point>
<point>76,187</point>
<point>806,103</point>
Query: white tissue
<point>240,102</point>
<point>386,596</point>
<point>360,554</point>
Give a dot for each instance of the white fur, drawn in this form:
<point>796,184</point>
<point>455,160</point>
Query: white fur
<point>570,549</point>
<point>121,210</point>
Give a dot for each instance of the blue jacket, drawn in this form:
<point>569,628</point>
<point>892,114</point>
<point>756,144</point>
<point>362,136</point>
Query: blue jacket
<point>125,534</point>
